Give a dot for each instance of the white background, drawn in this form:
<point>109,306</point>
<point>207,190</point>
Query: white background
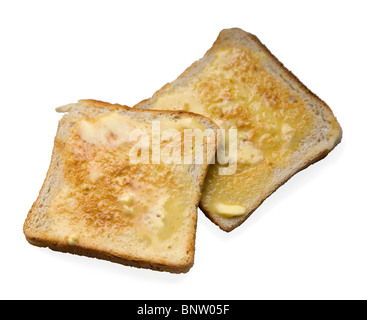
<point>307,241</point>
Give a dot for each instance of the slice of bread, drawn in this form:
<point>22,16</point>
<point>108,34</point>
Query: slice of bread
<point>101,200</point>
<point>282,127</point>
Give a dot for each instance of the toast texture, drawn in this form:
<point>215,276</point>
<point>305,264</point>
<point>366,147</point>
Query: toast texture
<point>282,127</point>
<point>96,202</point>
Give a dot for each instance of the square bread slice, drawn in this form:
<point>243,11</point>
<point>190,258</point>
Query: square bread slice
<point>100,199</point>
<point>282,127</point>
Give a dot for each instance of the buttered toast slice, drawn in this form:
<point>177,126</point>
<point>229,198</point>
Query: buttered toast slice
<point>281,126</point>
<point>106,197</point>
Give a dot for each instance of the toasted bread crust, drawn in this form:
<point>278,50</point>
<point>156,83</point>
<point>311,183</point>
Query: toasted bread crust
<point>92,253</point>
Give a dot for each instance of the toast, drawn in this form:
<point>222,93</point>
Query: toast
<point>99,201</point>
<point>282,127</point>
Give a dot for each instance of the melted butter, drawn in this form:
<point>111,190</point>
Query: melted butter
<point>112,128</point>
<point>105,191</point>
<point>236,91</point>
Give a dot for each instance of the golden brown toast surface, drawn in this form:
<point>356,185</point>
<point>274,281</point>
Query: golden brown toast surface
<point>102,202</point>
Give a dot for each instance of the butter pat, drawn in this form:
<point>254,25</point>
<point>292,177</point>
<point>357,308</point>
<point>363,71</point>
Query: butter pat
<point>126,199</point>
<point>73,239</point>
<point>248,153</point>
<point>230,209</point>
<point>287,132</point>
<point>154,220</point>
<point>127,210</point>
<point>111,129</point>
